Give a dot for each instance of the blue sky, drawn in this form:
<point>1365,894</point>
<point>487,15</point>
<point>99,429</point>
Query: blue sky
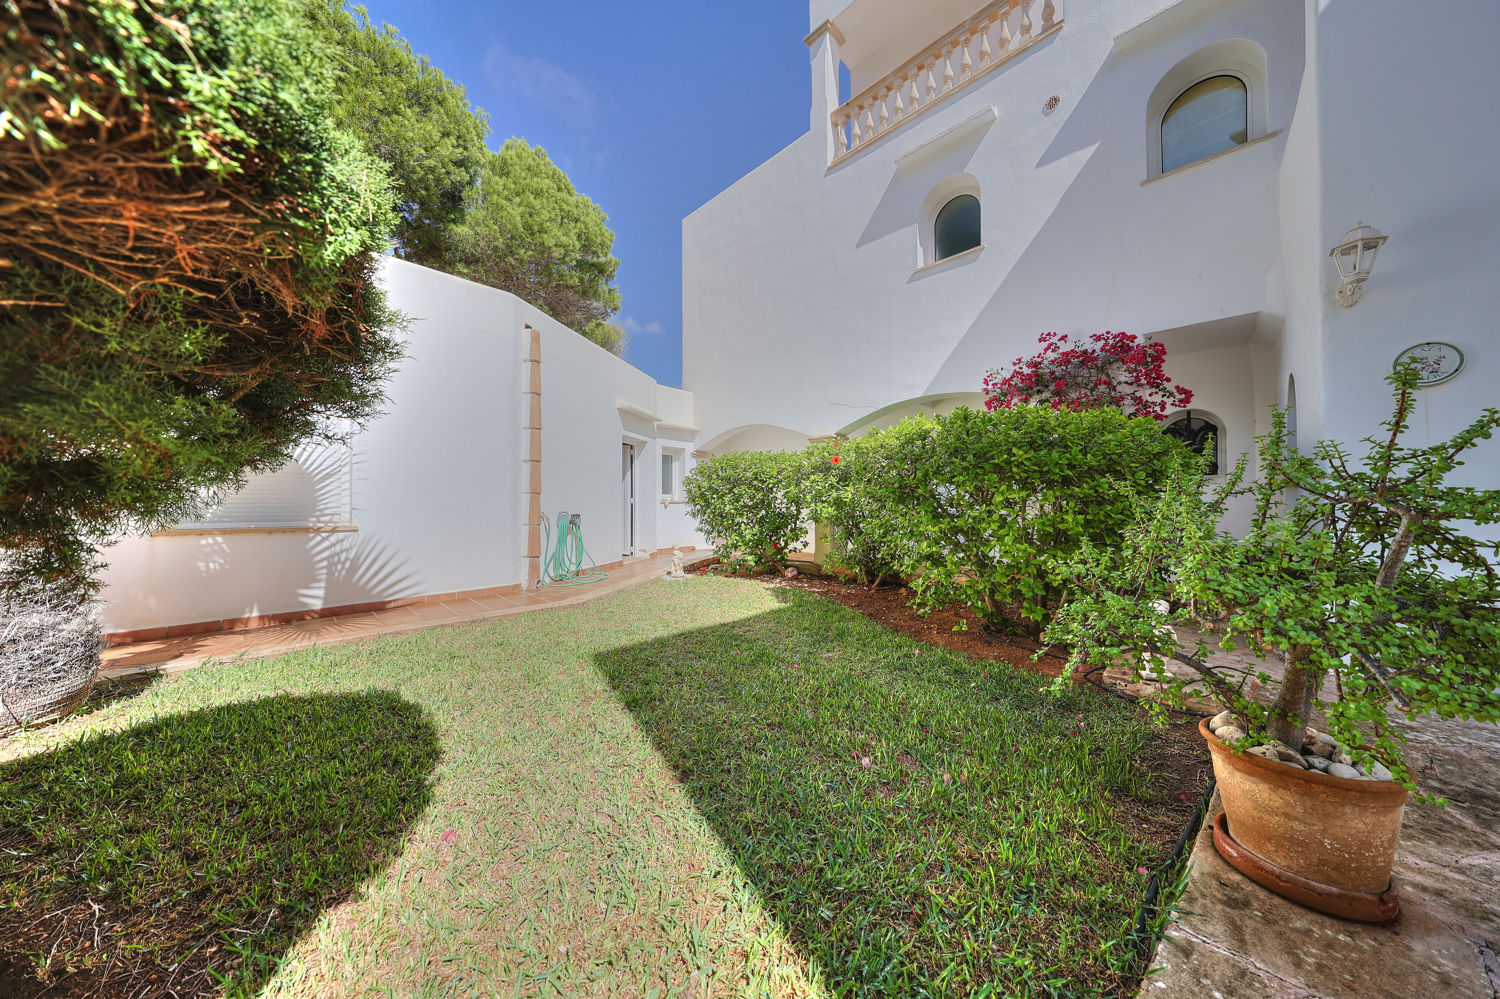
<point>651,108</point>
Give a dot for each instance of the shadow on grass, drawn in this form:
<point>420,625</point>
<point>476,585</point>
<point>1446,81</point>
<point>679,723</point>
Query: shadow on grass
<point>114,690</point>
<point>920,823</point>
<point>185,855</point>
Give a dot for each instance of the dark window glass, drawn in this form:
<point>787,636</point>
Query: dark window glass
<point>957,227</point>
<point>1207,118</point>
<point>1201,437</point>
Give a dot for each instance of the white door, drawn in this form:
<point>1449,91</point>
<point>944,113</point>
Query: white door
<point>627,483</point>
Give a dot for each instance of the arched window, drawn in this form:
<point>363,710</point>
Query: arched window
<point>1206,118</point>
<point>1200,435</point>
<point>956,227</point>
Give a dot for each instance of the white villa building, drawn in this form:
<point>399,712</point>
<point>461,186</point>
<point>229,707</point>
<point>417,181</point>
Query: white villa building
<point>974,174</point>
<point>1177,168</point>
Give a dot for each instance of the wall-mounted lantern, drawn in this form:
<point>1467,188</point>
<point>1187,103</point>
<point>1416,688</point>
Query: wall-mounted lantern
<point>1355,258</point>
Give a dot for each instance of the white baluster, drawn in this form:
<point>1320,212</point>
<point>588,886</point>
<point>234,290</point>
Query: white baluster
<point>931,83</point>
<point>1025,19</point>
<point>854,133</point>
<point>966,64</point>
<point>1049,14</point>
<point>948,71</point>
<point>1005,32</point>
<point>900,108</point>
<point>869,123</point>
<point>914,99</point>
<point>842,132</point>
<point>984,45</point>
<point>885,111</point>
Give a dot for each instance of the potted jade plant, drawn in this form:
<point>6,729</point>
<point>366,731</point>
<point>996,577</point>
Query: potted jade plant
<point>1362,586</point>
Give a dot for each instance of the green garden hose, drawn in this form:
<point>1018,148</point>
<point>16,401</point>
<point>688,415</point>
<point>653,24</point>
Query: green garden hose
<point>565,557</point>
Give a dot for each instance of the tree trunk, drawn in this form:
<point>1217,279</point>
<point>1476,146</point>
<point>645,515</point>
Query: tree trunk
<point>1294,701</point>
<point>1400,547</point>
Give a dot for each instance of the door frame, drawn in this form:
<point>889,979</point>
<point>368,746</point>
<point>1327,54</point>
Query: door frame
<point>629,500</point>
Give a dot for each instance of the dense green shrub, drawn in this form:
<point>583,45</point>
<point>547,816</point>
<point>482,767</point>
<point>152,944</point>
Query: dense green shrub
<point>984,509</point>
<point>187,255</point>
<point>995,504</point>
<point>749,506</point>
<point>866,535</point>
<point>1366,570</point>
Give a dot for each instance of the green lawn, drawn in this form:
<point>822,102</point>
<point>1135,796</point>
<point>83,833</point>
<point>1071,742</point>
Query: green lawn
<point>709,788</point>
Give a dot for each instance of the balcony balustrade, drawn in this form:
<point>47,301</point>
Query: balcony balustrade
<point>994,36</point>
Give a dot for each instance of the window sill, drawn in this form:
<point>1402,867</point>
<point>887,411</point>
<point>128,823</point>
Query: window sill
<point>953,261</point>
<point>1209,159</point>
<point>213,532</point>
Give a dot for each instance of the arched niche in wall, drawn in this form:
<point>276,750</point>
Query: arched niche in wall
<point>755,437</point>
<point>1203,432</point>
<point>955,202</point>
<point>1206,79</point>
<point>926,405</point>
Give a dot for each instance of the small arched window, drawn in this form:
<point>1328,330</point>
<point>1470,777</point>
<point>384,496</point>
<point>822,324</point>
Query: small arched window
<point>956,227</point>
<point>1201,437</point>
<point>1206,118</point>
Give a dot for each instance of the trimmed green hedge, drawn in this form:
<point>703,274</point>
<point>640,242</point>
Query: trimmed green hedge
<point>867,536</point>
<point>997,503</point>
<point>749,506</point>
<point>980,508</point>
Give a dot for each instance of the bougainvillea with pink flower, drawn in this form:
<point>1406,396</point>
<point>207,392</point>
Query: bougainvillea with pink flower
<point>1115,370</point>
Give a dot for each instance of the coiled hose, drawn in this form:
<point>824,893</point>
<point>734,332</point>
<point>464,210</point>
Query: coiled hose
<point>564,565</point>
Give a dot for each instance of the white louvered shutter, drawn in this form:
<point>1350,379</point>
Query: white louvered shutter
<point>311,490</point>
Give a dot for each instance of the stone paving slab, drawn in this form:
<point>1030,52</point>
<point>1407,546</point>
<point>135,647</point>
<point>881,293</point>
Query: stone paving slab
<point>172,655</point>
<point>1235,940</point>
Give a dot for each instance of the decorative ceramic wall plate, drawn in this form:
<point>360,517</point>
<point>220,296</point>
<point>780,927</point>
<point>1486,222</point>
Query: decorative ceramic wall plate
<point>1436,361</point>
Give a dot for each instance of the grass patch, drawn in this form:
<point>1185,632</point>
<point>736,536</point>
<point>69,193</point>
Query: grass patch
<point>662,793</point>
<point>922,823</point>
<point>190,850</point>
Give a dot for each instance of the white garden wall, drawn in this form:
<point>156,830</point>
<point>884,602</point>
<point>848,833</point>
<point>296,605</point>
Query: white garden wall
<point>438,494</point>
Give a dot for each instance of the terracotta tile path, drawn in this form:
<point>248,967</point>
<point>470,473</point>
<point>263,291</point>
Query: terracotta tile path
<point>173,655</point>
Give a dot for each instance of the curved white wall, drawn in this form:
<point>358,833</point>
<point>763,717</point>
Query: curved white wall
<point>438,493</point>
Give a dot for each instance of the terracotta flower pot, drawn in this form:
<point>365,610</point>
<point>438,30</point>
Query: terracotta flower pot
<point>1324,842</point>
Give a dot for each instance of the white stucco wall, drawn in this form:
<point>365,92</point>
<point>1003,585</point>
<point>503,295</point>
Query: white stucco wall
<point>1410,139</point>
<point>805,309</point>
<point>584,388</point>
<point>438,496</point>
<point>804,303</point>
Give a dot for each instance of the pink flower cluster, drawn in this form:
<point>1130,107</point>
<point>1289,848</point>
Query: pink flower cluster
<point>1111,369</point>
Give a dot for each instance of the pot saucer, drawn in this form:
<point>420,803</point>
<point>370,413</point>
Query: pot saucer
<point>1361,907</point>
